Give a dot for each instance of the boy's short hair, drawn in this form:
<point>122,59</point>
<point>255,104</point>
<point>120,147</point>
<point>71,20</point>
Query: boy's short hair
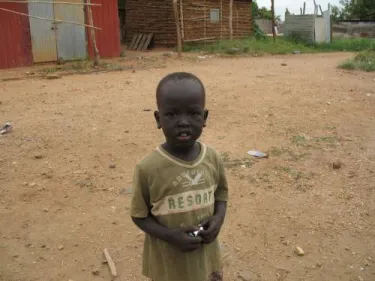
<point>178,76</point>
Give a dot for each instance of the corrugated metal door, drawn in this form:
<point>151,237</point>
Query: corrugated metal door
<point>42,32</point>
<point>15,44</point>
<point>71,39</point>
<point>108,38</point>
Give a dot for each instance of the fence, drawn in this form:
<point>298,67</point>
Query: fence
<point>354,29</point>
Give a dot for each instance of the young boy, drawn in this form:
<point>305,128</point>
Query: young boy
<point>180,186</point>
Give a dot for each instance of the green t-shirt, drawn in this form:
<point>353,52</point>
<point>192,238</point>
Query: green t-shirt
<point>178,194</point>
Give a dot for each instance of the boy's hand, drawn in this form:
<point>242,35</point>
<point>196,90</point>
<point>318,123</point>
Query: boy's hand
<point>180,239</point>
<point>212,226</point>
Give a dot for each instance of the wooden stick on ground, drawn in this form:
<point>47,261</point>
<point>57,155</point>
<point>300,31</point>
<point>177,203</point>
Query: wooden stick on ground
<point>92,31</point>
<point>178,30</point>
<point>47,19</point>
<point>110,262</point>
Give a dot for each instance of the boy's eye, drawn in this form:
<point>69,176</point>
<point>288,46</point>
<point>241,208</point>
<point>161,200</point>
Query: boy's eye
<point>195,114</point>
<point>170,114</point>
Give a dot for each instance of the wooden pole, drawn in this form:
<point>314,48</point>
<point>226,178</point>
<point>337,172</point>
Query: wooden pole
<point>273,20</point>
<point>231,19</point>
<point>182,20</point>
<point>178,30</point>
<point>92,32</point>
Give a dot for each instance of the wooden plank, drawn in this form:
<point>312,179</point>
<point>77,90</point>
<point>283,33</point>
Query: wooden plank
<point>133,41</point>
<point>148,41</point>
<point>142,42</point>
<point>137,42</point>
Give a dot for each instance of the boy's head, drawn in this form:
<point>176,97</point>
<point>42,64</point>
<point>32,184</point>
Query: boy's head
<point>181,113</point>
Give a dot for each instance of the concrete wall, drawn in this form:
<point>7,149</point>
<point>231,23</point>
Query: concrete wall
<point>320,34</point>
<point>354,29</point>
<point>298,26</point>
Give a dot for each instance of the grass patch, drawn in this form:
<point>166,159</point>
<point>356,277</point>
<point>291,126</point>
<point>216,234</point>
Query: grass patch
<point>250,46</point>
<point>326,139</point>
<point>363,61</point>
<point>299,140</point>
<point>231,163</point>
<point>290,154</point>
<point>347,45</point>
<point>254,46</point>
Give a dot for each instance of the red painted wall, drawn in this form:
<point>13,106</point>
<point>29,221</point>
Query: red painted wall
<point>108,38</point>
<point>15,38</point>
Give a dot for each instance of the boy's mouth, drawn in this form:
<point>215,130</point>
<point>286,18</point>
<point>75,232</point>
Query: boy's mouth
<point>184,136</point>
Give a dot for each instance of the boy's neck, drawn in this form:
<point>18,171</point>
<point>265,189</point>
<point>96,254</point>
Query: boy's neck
<point>188,154</point>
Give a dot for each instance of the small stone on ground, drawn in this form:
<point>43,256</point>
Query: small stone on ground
<point>299,251</point>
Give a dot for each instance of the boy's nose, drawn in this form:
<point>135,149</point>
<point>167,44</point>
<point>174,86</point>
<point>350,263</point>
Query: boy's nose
<point>183,122</point>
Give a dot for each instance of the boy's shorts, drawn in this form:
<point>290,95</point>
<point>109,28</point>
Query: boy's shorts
<point>216,276</point>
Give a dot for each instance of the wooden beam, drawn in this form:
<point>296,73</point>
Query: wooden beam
<point>178,30</point>
<point>47,19</point>
<point>201,39</point>
<point>44,2</point>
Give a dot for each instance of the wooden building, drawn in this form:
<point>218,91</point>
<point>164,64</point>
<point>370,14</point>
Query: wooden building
<point>200,20</point>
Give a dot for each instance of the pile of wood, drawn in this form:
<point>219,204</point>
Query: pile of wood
<point>141,41</point>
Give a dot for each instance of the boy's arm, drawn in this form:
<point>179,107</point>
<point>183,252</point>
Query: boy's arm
<point>220,210</point>
<point>177,237</point>
<point>212,225</point>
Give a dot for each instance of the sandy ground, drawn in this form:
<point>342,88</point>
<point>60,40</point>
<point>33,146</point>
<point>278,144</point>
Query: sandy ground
<point>61,204</point>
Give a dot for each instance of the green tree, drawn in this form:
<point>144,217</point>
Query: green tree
<point>263,13</point>
<point>351,10</point>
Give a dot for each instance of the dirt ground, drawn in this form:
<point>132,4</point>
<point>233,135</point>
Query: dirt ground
<point>67,165</point>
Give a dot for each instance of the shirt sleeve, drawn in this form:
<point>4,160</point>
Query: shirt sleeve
<point>140,206</point>
<point>221,193</point>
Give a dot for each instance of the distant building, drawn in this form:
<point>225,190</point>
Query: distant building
<point>200,20</point>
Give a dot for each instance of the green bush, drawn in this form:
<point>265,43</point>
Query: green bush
<point>363,61</point>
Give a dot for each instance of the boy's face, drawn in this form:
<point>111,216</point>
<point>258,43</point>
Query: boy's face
<point>181,112</point>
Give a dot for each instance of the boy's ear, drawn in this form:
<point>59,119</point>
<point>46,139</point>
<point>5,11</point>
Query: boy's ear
<point>157,119</point>
<point>205,117</point>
